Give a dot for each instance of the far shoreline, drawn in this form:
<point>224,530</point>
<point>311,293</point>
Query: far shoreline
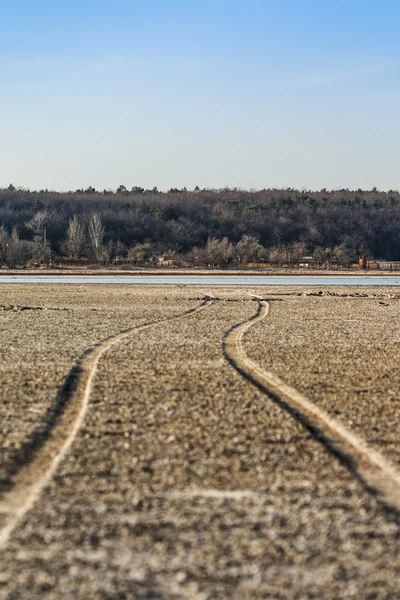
<point>170,272</point>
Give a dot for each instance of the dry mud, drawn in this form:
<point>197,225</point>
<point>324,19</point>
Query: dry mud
<point>185,480</point>
<point>43,331</point>
<point>343,354</point>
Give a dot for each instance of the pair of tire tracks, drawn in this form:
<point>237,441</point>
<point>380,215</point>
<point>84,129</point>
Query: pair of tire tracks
<point>375,472</point>
<point>73,400</point>
<point>369,466</point>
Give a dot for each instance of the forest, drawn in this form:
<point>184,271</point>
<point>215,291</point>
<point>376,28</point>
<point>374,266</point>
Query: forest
<point>201,226</point>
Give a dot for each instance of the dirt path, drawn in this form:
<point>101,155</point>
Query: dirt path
<point>370,466</point>
<point>30,482</point>
<point>38,349</point>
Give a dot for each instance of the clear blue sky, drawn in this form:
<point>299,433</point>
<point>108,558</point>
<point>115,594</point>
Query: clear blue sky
<point>256,93</point>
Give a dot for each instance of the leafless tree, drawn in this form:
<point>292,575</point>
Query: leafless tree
<point>38,222</point>
<point>366,221</point>
<point>278,255</point>
<point>344,255</point>
<point>96,235</point>
<point>76,237</point>
<point>4,239</point>
<point>141,252</point>
<point>248,249</point>
<point>218,252</point>
<point>15,250</point>
<point>115,250</point>
<point>320,256</point>
<point>41,249</point>
<point>296,251</point>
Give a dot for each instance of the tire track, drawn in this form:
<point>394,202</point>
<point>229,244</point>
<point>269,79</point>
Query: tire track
<point>378,475</point>
<point>32,478</point>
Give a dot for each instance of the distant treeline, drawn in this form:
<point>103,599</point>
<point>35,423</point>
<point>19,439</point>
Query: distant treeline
<point>274,224</point>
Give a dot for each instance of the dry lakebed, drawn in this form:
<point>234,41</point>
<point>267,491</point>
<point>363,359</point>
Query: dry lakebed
<point>189,441</point>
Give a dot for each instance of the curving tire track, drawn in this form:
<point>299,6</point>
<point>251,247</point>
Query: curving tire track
<point>31,479</point>
<point>377,474</point>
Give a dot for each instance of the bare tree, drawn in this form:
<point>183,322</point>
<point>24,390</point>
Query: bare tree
<point>114,250</point>
<point>76,237</point>
<point>96,235</point>
<point>248,249</point>
<point>4,239</point>
<point>41,249</point>
<point>218,252</point>
<point>38,222</point>
<point>323,257</point>
<point>344,255</point>
<point>226,251</point>
<point>320,256</point>
<point>296,252</point>
<point>278,255</point>
<point>15,250</point>
<point>141,252</point>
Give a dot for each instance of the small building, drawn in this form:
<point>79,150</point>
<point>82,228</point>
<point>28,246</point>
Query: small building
<point>306,262</point>
<point>377,264</point>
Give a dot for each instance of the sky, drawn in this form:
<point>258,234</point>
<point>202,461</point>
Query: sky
<point>214,93</point>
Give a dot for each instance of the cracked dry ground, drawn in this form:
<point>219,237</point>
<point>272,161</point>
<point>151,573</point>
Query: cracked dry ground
<point>187,482</point>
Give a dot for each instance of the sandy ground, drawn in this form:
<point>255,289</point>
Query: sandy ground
<point>343,354</point>
<point>184,480</point>
<point>43,331</point>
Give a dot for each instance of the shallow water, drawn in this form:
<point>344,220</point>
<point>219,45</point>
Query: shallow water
<point>210,280</point>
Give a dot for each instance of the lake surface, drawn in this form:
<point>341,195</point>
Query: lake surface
<point>208,280</point>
